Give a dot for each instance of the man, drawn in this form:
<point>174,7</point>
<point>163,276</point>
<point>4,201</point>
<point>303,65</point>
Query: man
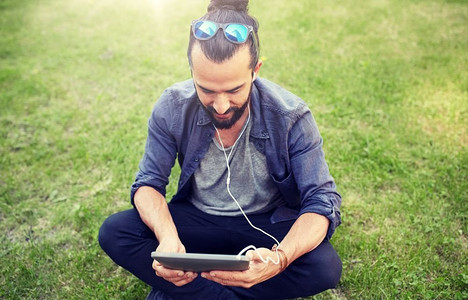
<point>242,142</point>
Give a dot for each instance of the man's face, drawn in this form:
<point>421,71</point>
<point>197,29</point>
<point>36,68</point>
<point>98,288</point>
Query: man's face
<point>224,88</point>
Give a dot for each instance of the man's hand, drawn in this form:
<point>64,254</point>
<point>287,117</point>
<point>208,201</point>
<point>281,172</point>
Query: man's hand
<point>154,212</point>
<point>258,270</point>
<point>177,277</point>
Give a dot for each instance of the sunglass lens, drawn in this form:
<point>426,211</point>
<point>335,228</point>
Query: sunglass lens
<point>236,33</point>
<point>204,29</point>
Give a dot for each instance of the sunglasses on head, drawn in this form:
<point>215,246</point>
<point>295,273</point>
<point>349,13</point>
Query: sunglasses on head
<point>234,32</point>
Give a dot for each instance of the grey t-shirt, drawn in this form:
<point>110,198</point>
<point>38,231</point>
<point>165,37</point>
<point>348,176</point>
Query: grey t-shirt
<point>250,183</point>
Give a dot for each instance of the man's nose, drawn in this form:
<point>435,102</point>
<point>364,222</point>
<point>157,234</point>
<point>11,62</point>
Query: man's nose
<point>221,104</point>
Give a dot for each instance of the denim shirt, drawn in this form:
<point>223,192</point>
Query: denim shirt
<point>283,129</point>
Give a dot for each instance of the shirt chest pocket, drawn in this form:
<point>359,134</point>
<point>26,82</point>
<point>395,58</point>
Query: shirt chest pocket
<point>287,187</point>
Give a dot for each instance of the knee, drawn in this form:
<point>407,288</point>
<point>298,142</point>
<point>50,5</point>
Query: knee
<point>324,268</point>
<point>331,273</point>
<point>113,230</point>
<point>107,233</point>
<point>330,267</point>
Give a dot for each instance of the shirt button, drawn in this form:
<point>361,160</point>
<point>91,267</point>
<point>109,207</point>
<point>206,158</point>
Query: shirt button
<point>196,159</point>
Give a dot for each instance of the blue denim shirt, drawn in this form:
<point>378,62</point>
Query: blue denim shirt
<point>283,129</point>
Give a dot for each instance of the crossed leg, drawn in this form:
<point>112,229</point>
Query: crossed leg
<point>129,242</point>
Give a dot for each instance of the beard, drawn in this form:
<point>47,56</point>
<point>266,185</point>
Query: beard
<point>226,124</point>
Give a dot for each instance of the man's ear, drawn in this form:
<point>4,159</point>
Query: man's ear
<point>257,69</point>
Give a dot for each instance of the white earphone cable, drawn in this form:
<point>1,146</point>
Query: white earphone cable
<point>228,182</point>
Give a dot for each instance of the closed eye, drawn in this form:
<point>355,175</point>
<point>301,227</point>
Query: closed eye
<point>206,91</point>
<point>236,89</point>
<point>233,91</point>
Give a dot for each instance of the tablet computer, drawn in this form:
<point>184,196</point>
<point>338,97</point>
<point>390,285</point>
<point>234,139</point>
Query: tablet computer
<point>198,262</point>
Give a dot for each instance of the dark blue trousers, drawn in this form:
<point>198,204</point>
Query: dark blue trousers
<point>129,242</point>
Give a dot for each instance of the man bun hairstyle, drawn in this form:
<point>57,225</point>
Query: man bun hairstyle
<point>218,48</point>
<point>241,5</point>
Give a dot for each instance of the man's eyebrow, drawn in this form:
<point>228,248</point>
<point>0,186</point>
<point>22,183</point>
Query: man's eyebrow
<point>211,91</point>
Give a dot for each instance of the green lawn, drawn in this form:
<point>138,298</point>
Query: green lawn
<point>385,79</point>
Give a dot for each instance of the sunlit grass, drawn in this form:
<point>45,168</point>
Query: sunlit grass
<point>386,81</point>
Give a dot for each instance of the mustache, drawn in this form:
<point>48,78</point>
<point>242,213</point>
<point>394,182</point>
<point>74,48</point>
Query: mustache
<point>229,110</point>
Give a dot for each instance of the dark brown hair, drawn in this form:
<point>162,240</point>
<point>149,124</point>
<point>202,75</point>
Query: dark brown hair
<point>219,49</point>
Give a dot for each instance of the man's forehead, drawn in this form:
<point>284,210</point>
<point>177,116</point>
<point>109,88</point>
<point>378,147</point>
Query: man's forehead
<point>240,58</point>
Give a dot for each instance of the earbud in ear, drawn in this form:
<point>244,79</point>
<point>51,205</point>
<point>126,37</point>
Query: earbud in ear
<point>254,75</point>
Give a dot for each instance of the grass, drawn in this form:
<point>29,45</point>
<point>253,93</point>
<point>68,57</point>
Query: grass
<point>386,81</point>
